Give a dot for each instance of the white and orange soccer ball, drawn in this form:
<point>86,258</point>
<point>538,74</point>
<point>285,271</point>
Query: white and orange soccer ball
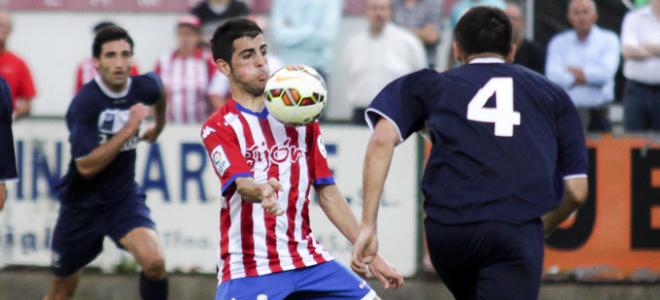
<point>296,95</point>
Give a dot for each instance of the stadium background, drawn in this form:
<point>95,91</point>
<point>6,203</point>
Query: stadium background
<point>610,250</point>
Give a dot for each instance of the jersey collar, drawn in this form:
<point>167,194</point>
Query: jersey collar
<point>109,92</point>
<point>487,60</point>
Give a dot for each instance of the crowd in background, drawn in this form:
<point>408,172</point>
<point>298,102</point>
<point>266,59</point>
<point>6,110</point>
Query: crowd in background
<point>401,36</point>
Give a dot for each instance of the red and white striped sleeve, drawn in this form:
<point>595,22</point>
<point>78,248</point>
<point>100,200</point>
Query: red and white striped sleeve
<point>320,173</point>
<point>221,144</point>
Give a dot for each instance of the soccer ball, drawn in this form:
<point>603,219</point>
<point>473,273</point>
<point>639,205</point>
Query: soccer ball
<point>295,95</point>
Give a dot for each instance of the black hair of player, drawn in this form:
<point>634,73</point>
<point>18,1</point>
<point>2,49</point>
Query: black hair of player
<point>102,25</point>
<point>110,34</point>
<point>484,29</point>
<point>222,43</point>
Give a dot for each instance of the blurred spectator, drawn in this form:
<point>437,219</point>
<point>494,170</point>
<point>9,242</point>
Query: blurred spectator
<point>584,61</point>
<point>422,17</point>
<point>640,39</point>
<point>212,13</point>
<point>15,71</point>
<point>7,158</point>
<point>377,55</point>
<point>528,53</point>
<point>462,6</point>
<point>86,69</point>
<point>303,31</point>
<point>187,72</point>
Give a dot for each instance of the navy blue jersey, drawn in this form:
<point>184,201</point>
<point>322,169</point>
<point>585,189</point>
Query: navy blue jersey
<point>94,116</point>
<point>7,155</point>
<point>503,139</point>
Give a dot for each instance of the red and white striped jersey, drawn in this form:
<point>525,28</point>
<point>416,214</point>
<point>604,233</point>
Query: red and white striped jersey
<point>242,143</point>
<point>187,81</point>
<point>86,71</point>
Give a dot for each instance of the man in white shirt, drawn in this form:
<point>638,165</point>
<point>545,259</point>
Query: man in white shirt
<point>640,41</point>
<point>374,57</point>
<point>584,61</point>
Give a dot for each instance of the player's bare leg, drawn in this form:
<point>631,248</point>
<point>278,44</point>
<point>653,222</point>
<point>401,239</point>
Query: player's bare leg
<point>62,288</point>
<point>144,245</point>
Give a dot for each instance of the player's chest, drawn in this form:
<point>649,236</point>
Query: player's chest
<point>261,155</point>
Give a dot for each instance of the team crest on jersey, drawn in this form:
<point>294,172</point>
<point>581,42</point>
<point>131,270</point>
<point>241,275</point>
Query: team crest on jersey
<point>260,157</point>
<point>220,160</point>
<point>206,132</point>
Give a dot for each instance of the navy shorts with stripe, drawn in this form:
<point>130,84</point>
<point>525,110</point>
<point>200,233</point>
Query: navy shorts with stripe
<point>325,281</point>
<point>488,260</point>
<point>79,232</point>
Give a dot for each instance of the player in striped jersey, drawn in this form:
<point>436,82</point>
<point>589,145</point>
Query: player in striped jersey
<point>267,169</point>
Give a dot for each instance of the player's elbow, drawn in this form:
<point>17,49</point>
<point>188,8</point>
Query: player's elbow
<point>577,190</point>
<point>384,135</point>
<point>85,171</point>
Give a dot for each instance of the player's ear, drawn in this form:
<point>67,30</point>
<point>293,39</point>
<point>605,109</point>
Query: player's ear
<point>512,53</point>
<point>223,66</point>
<point>458,53</point>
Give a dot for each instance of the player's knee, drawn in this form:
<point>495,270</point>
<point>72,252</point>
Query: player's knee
<point>154,267</point>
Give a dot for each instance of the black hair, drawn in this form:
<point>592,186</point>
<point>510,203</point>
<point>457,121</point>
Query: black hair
<point>102,25</point>
<point>222,43</point>
<point>109,34</point>
<point>484,29</point>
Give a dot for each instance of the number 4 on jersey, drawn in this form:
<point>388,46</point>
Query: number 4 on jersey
<point>502,115</point>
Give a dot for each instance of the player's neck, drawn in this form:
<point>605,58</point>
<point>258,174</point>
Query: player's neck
<point>247,100</point>
<point>484,55</point>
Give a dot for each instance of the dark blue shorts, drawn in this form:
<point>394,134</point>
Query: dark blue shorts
<point>488,260</point>
<point>79,232</point>
<point>329,280</point>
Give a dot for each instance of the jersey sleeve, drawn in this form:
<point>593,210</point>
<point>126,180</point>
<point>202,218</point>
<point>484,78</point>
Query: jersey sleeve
<point>151,87</point>
<point>399,103</point>
<point>571,151</point>
<point>224,152</point>
<point>319,171</point>
<point>8,159</point>
<point>26,89</point>
<point>82,120</point>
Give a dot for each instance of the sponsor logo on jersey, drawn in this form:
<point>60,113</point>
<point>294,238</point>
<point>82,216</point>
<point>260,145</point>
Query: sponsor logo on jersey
<point>220,160</point>
<point>260,157</point>
<point>230,118</point>
<point>108,122</point>
<point>206,132</point>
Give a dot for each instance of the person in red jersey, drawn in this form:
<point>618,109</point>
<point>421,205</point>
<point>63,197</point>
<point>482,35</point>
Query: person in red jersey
<point>15,71</point>
<point>267,170</point>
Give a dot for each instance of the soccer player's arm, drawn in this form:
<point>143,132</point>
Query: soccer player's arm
<point>571,164</point>
<point>154,94</point>
<point>90,156</point>
<point>222,146</point>
<point>7,159</point>
<point>394,114</point>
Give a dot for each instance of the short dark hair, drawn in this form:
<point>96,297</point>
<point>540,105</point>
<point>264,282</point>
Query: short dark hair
<point>484,29</point>
<point>102,25</point>
<point>222,43</point>
<point>109,34</point>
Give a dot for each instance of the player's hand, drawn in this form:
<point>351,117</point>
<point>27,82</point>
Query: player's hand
<point>151,135</point>
<point>137,114</point>
<point>365,249</point>
<point>388,276</point>
<point>269,197</point>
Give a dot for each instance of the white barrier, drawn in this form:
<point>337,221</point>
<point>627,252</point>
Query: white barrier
<point>183,196</point>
